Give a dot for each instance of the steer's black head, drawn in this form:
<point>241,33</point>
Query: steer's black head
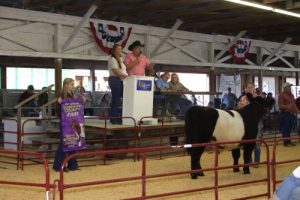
<point>257,105</point>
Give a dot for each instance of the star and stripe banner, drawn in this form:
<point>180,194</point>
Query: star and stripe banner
<point>106,35</point>
<point>240,50</point>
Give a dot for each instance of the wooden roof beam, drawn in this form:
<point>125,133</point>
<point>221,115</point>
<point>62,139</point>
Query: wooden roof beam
<point>168,35</point>
<point>32,6</point>
<point>275,51</point>
<point>79,26</point>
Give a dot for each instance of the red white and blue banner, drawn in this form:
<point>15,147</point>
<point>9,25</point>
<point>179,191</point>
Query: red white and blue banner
<point>240,50</point>
<point>72,116</point>
<point>106,35</point>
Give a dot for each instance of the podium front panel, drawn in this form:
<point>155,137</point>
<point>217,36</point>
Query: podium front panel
<point>137,98</point>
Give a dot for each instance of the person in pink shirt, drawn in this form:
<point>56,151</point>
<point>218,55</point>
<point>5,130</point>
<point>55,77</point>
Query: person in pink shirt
<point>136,62</point>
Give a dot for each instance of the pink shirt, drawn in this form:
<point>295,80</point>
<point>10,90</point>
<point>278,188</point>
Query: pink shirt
<point>138,69</point>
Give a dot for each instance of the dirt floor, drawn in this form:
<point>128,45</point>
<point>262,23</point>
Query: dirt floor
<point>128,168</point>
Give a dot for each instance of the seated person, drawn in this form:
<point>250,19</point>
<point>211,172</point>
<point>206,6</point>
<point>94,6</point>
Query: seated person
<point>289,189</point>
<point>162,82</point>
<point>162,85</point>
<point>25,95</point>
<point>42,98</point>
<point>81,92</point>
<point>105,106</point>
<point>175,85</point>
<point>180,102</point>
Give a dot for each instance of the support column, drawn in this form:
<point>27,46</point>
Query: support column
<point>58,76</point>
<point>3,77</point>
<point>280,82</point>
<point>92,72</point>
<point>296,64</point>
<point>260,72</point>
<point>212,84</point>
<point>58,61</point>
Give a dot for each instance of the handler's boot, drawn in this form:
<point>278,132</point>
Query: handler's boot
<point>194,176</point>
<point>236,169</point>
<point>246,170</point>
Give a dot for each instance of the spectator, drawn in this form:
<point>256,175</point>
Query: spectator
<point>210,104</point>
<point>42,98</point>
<point>175,85</point>
<point>162,85</point>
<point>81,92</point>
<point>181,102</point>
<point>28,112</point>
<point>270,101</point>
<point>105,106</point>
<point>298,116</point>
<point>268,116</point>
<point>229,99</point>
<point>289,189</point>
<point>136,63</point>
<point>162,82</point>
<point>288,108</point>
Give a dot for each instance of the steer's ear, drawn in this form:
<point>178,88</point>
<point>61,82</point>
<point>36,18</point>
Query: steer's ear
<point>260,100</point>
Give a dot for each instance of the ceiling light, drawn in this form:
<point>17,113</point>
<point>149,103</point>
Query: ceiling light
<point>255,5</point>
<point>286,12</point>
<point>260,6</point>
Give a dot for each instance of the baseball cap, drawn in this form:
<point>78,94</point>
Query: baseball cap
<point>286,84</point>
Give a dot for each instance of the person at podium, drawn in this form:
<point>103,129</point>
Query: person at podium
<point>136,62</point>
<point>117,72</point>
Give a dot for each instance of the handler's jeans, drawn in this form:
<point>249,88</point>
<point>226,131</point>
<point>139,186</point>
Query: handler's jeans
<point>116,86</point>
<point>60,155</point>
<point>287,120</point>
<point>289,189</point>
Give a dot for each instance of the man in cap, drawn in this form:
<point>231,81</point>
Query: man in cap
<point>136,62</point>
<point>288,108</point>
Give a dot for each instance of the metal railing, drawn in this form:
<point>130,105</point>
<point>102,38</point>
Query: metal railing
<point>19,107</point>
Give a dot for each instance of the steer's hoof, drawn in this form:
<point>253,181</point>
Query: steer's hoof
<point>200,174</point>
<point>247,171</point>
<point>194,176</point>
<point>235,170</point>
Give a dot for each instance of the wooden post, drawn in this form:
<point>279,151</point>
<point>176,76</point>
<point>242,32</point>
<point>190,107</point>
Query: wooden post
<point>58,76</point>
<point>280,82</point>
<point>58,61</point>
<point>92,72</point>
<point>260,72</point>
<point>3,77</point>
<point>212,83</point>
<point>296,64</point>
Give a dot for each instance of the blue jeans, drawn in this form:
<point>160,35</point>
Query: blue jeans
<point>116,86</point>
<point>289,189</point>
<point>286,124</point>
<point>60,155</point>
<point>257,149</point>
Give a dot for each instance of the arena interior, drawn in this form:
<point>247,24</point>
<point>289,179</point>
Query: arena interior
<point>133,145</point>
